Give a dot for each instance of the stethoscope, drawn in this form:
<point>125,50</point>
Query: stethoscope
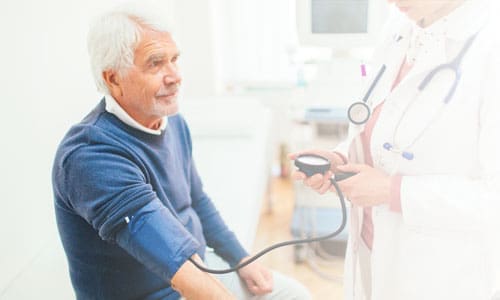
<point>359,112</point>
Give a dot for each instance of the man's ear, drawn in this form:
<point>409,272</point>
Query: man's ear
<point>112,80</point>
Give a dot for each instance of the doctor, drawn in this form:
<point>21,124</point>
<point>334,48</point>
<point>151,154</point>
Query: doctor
<point>426,199</point>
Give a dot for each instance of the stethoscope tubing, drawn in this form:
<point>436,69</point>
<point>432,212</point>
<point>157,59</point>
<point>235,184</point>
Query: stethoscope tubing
<point>454,66</point>
<point>374,83</point>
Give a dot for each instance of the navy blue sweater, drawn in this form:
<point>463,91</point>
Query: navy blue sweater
<point>131,209</point>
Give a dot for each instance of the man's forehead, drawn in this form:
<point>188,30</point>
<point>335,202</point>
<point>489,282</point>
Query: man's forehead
<point>159,41</point>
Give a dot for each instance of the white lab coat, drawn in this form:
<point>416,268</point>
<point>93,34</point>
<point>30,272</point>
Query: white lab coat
<point>444,244</point>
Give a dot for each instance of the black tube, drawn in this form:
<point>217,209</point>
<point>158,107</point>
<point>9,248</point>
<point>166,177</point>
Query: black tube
<point>287,243</point>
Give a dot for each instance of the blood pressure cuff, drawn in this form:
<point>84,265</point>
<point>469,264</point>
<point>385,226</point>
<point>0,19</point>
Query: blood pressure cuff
<point>155,238</point>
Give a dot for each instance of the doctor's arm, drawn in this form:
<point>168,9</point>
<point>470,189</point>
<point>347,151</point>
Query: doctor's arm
<point>370,186</point>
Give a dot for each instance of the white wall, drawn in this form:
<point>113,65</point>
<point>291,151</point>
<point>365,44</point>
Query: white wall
<point>194,34</point>
<point>45,86</point>
<point>253,41</point>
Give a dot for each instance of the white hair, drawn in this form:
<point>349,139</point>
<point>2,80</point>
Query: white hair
<point>114,36</point>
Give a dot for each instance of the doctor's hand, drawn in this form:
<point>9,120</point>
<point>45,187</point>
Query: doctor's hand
<point>259,279</point>
<point>369,187</point>
<point>318,182</point>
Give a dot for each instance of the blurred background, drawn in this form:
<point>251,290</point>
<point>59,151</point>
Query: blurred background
<point>261,79</point>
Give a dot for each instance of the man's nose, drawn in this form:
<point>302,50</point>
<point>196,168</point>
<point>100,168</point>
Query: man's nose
<point>172,74</point>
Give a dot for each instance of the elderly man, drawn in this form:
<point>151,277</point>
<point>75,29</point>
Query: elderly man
<point>129,203</point>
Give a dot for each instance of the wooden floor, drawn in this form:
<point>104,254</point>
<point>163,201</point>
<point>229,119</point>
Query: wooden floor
<point>274,226</point>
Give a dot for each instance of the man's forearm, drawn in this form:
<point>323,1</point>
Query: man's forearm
<point>193,283</point>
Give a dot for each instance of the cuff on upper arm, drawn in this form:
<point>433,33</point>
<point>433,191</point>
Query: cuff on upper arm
<point>157,240</point>
<point>395,194</point>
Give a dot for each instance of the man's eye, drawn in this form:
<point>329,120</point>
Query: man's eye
<point>156,63</point>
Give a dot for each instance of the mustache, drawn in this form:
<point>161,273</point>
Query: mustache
<point>168,90</point>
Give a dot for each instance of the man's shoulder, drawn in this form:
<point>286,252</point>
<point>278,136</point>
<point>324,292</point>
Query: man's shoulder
<point>79,137</point>
<point>94,130</point>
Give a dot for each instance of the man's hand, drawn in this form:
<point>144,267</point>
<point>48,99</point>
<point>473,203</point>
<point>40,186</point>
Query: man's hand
<point>259,279</point>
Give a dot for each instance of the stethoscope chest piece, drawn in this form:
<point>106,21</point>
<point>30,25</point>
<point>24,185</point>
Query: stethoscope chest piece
<point>358,113</point>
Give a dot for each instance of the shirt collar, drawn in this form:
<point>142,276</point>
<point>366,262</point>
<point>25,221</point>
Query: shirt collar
<point>437,40</point>
<point>463,22</point>
<point>114,108</point>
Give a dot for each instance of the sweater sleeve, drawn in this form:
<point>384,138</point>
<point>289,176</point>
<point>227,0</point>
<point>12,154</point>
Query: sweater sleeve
<point>111,193</point>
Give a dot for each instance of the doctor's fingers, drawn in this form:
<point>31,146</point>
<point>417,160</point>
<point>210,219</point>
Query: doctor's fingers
<point>297,175</point>
<point>325,186</point>
<point>314,181</point>
<point>346,187</point>
<point>357,194</point>
<point>317,181</point>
